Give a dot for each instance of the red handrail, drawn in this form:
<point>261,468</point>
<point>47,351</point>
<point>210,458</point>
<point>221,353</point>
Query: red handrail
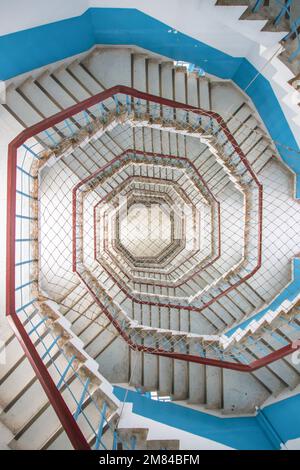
<point>65,416</point>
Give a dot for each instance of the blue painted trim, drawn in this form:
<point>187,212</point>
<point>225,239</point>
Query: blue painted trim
<point>41,322</point>
<point>115,441</point>
<point>285,417</point>
<point>68,125</point>
<point>63,376</point>
<point>242,433</point>
<point>60,39</point>
<point>20,52</point>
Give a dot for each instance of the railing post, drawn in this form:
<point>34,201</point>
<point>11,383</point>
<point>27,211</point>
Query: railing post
<point>80,403</point>
<point>61,380</point>
<point>258,5</point>
<point>285,9</point>
<point>101,425</point>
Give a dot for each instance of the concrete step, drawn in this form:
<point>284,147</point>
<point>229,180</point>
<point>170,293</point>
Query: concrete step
<point>110,66</point>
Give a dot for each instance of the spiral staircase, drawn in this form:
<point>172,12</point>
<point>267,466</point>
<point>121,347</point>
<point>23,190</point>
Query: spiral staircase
<point>152,253</point>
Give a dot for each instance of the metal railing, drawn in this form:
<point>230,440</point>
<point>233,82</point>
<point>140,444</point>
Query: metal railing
<point>284,11</point>
<point>27,152</point>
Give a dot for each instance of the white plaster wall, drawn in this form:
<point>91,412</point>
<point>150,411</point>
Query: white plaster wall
<point>17,15</point>
<point>293,444</point>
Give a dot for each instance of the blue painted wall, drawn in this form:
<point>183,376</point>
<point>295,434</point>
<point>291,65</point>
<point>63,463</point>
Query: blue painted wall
<point>276,423</point>
<point>285,417</point>
<point>32,48</point>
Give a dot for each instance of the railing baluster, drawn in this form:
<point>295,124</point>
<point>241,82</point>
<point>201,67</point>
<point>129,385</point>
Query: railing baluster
<point>115,441</point>
<point>62,379</point>
<point>101,425</point>
<point>133,442</point>
<point>258,5</point>
<point>284,9</point>
<point>37,325</point>
<point>47,352</point>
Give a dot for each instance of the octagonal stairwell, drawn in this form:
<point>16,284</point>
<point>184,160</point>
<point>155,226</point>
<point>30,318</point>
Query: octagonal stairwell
<point>219,224</point>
